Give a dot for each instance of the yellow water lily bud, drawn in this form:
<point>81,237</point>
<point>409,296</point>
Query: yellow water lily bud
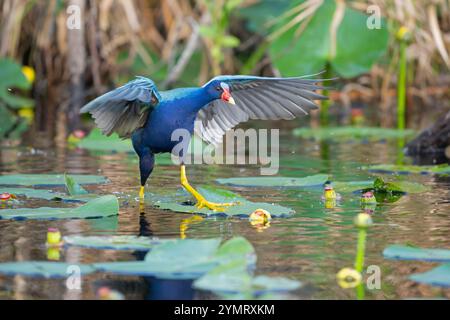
<point>260,216</point>
<point>329,193</point>
<point>330,203</point>
<point>348,278</point>
<point>29,73</point>
<point>403,33</point>
<point>53,237</point>
<point>363,220</point>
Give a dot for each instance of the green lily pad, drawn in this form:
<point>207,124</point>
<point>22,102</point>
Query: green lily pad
<point>242,209</point>
<point>44,269</point>
<point>73,188</point>
<point>104,206</point>
<point>309,181</point>
<point>237,248</point>
<point>174,259</point>
<point>113,242</point>
<point>351,133</point>
<point>169,258</point>
<point>399,252</point>
<point>48,179</point>
<point>352,186</point>
<point>381,186</point>
<point>99,142</point>
<point>405,169</point>
<point>439,276</point>
<point>233,278</point>
<point>33,193</point>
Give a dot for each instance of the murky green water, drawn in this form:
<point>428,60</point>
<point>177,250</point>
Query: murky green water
<point>312,246</point>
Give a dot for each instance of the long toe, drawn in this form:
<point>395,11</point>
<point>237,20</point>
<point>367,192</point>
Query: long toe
<point>213,206</point>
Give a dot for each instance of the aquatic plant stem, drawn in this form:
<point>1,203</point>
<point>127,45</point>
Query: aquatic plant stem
<point>359,261</point>
<point>401,86</point>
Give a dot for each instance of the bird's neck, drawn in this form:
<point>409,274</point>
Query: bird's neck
<point>190,98</point>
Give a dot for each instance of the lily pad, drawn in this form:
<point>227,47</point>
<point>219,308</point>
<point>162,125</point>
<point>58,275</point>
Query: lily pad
<point>44,269</point>
<point>351,133</point>
<point>49,179</point>
<point>242,209</point>
<point>233,278</point>
<point>174,259</point>
<point>73,188</point>
<point>99,142</point>
<point>439,276</point>
<point>405,169</point>
<point>399,252</point>
<point>33,193</point>
<point>309,181</point>
<point>351,186</point>
<point>169,259</point>
<point>113,242</point>
<point>104,206</point>
<point>237,248</point>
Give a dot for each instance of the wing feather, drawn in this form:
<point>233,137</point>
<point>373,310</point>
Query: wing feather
<point>260,98</point>
<point>124,109</point>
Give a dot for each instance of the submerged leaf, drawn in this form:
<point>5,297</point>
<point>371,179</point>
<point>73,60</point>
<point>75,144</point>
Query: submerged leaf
<point>439,276</point>
<point>49,179</point>
<point>310,181</point>
<point>104,206</point>
<point>399,252</point>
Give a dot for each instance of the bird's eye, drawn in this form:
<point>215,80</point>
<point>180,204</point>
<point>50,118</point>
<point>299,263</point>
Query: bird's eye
<point>219,88</point>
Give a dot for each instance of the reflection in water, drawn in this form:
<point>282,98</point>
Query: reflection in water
<point>311,246</point>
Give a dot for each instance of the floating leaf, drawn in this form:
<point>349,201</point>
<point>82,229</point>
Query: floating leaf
<point>351,133</point>
<point>233,278</point>
<point>113,242</point>
<point>237,248</point>
<point>381,186</point>
<point>242,209</point>
<point>44,269</point>
<point>309,181</point>
<point>405,169</point>
<point>169,258</point>
<point>98,208</point>
<point>399,252</point>
<point>73,188</point>
<point>351,186</point>
<point>49,179</point>
<point>439,276</point>
<point>33,193</point>
<point>175,259</point>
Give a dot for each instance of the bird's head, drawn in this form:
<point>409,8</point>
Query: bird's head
<point>220,90</point>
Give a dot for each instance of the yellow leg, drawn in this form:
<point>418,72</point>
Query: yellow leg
<point>141,200</point>
<point>201,201</point>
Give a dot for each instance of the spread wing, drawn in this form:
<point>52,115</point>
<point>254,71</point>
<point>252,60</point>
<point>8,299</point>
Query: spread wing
<point>124,109</point>
<point>256,98</point>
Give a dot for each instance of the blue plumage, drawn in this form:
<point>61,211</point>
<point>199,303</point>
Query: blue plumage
<point>138,110</point>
